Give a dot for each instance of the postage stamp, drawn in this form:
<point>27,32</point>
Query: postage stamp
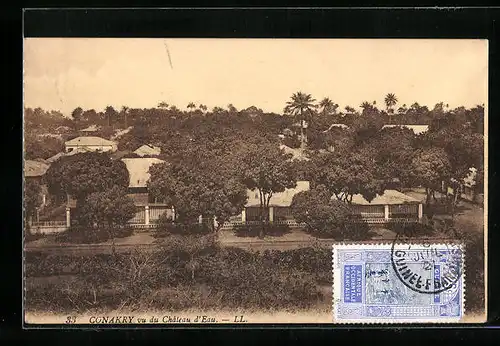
<point>398,283</point>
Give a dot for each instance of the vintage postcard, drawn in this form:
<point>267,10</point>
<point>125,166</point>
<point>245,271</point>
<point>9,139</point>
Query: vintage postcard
<point>241,181</point>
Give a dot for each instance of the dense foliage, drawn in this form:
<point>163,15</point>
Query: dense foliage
<point>169,279</point>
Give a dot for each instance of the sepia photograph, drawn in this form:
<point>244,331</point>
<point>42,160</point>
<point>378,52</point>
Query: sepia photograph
<point>237,181</point>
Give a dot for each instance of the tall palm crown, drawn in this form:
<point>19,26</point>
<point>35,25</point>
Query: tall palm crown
<point>301,106</point>
<point>366,105</point>
<point>327,106</point>
<point>390,101</point>
<point>191,105</point>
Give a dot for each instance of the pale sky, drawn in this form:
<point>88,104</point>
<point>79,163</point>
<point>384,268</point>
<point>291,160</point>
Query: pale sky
<point>64,73</point>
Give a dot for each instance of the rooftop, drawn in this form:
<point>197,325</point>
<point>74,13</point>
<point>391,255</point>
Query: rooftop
<point>147,149</point>
<point>280,199</point>
<point>298,154</point>
<point>35,168</point>
<point>417,129</point>
<point>138,169</point>
<point>342,126</point>
<point>91,128</point>
<point>388,197</point>
<point>58,155</point>
<point>89,140</point>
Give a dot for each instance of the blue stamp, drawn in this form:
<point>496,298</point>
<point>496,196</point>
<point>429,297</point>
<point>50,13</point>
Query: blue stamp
<point>398,283</point>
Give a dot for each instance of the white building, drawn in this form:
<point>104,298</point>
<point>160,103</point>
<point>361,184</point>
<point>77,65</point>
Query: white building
<point>90,143</point>
<point>417,129</point>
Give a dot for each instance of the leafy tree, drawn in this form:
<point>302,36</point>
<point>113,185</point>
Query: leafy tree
<point>320,213</point>
<point>32,197</point>
<point>202,107</point>
<point>232,109</point>
<point>347,174</point>
<point>302,107</point>
<point>90,116</point>
<point>200,182</point>
<point>108,209</point>
<point>267,169</point>
<point>77,113</point>
<point>392,150</point>
<point>42,147</point>
<point>429,168</point>
<point>218,110</point>
<point>368,124</point>
<point>82,174</point>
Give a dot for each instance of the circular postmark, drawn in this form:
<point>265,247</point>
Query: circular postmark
<point>425,265</point>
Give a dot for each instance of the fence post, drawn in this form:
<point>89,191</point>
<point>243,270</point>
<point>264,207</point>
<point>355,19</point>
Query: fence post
<point>200,219</point>
<point>68,217</point>
<point>243,215</point>
<point>271,214</point>
<point>146,214</point>
<point>173,214</point>
<point>386,212</point>
<point>420,211</point>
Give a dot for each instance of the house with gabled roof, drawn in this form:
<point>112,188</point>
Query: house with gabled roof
<point>148,150</point>
<point>35,170</point>
<point>149,210</point>
<point>90,144</point>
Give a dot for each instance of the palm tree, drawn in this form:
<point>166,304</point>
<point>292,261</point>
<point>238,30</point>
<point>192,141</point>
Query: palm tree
<point>390,102</point>
<point>163,104</point>
<point>327,106</point>
<point>109,112</point>
<point>203,107</point>
<point>366,105</point>
<point>124,111</point>
<point>191,105</point>
<point>349,109</point>
<point>301,106</point>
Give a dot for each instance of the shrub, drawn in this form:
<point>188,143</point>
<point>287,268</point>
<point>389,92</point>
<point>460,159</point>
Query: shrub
<point>185,229</point>
<point>86,235</point>
<point>414,229</point>
<point>253,231</point>
<point>231,278</point>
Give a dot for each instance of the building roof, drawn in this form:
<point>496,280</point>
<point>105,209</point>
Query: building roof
<point>388,197</point>
<point>58,155</point>
<point>89,141</point>
<point>35,168</point>
<point>342,126</point>
<point>298,154</point>
<point>120,133</point>
<point>91,128</point>
<point>138,169</point>
<point>281,199</point>
<point>417,129</point>
<point>147,149</point>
